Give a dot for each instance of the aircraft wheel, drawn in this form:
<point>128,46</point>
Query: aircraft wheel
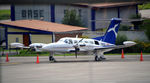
<point>51,58</point>
<point>96,58</point>
<point>99,59</point>
<point>102,58</point>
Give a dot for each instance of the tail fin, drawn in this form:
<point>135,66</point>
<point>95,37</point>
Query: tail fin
<point>111,33</point>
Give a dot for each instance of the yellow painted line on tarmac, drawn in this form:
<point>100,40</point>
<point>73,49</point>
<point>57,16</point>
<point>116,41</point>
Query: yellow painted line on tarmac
<point>9,63</point>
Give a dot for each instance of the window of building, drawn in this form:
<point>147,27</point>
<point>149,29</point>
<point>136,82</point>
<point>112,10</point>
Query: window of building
<point>80,12</point>
<point>65,11</point>
<point>17,39</point>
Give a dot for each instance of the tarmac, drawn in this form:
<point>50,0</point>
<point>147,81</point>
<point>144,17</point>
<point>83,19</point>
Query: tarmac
<point>68,69</point>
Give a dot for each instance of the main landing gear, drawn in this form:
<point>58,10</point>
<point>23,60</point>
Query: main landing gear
<point>51,58</point>
<point>100,57</point>
<point>97,58</point>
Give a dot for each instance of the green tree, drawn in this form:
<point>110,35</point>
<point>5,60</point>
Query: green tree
<point>72,18</point>
<point>120,39</point>
<point>146,26</point>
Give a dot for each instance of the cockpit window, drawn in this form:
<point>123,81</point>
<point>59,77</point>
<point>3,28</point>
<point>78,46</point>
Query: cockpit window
<point>91,42</point>
<point>75,41</point>
<point>68,41</point>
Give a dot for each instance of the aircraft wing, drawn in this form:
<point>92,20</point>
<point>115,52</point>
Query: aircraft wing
<point>126,44</point>
<point>26,47</point>
<point>112,47</point>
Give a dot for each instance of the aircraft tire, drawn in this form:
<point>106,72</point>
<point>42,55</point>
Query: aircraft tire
<point>96,58</point>
<point>102,58</point>
<point>51,58</point>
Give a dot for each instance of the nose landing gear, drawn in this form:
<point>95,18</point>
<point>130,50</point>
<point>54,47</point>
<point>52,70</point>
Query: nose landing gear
<point>51,58</point>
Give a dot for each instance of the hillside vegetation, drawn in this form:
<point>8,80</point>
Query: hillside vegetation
<point>4,14</point>
<point>144,6</point>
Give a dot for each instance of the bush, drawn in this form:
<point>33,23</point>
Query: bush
<point>140,46</point>
<point>4,14</point>
<point>120,39</point>
<point>71,18</point>
<point>144,6</point>
<point>135,16</point>
<point>146,26</point>
<point>124,28</point>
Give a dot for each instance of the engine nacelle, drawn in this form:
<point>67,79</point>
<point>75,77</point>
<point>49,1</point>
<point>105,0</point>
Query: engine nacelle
<point>129,43</point>
<point>17,45</point>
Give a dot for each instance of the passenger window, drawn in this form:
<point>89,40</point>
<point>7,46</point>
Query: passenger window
<point>96,42</point>
<point>86,41</point>
<point>70,41</point>
<point>75,41</point>
<point>91,42</point>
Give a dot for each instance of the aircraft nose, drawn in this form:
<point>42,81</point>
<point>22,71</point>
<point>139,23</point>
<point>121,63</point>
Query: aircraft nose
<point>45,48</point>
<point>48,47</point>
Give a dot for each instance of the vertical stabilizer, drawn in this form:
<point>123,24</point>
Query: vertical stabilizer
<point>111,33</point>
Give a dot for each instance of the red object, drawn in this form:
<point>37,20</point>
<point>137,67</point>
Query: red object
<point>7,59</point>
<point>122,54</point>
<point>37,61</point>
<point>141,57</point>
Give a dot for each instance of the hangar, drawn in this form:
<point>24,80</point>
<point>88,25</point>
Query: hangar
<point>35,31</point>
<point>89,13</point>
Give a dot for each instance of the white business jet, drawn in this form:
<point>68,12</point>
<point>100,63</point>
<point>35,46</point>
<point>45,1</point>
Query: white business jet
<point>97,45</point>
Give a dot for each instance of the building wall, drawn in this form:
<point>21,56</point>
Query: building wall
<point>60,9</point>
<point>16,30</point>
<point>61,35</point>
<point>126,12</point>
<point>104,15</point>
<point>33,12</point>
<point>15,38</point>
<point>131,35</point>
<point>135,35</point>
<point>41,38</point>
<point>86,13</point>
<point>2,34</point>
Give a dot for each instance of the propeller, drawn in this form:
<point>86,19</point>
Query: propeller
<point>77,48</point>
<point>76,51</point>
<point>28,50</point>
